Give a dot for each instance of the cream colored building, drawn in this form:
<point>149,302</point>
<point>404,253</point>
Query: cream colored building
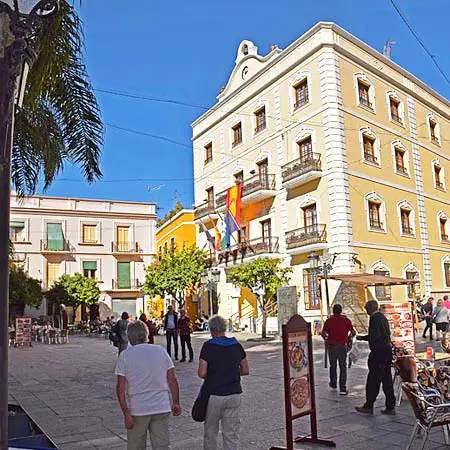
<point>111,241</point>
<point>341,152</point>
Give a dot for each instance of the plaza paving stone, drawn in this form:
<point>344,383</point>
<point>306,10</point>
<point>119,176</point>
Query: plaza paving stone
<point>69,390</point>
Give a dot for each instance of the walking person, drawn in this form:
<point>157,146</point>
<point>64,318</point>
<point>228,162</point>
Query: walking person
<point>440,318</point>
<point>222,363</point>
<point>336,332</point>
<point>121,331</point>
<point>185,330</point>
<point>145,376</point>
<point>427,311</point>
<point>380,360</point>
<point>151,328</point>
<point>171,329</point>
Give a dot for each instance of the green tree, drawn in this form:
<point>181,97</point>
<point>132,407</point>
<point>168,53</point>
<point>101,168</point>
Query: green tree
<point>176,273</point>
<point>23,291</point>
<point>60,119</point>
<point>74,290</point>
<point>262,271</point>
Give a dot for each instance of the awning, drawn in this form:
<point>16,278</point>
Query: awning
<point>89,265</point>
<point>17,224</point>
<point>369,279</point>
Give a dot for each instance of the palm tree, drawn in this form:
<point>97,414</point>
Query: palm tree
<point>60,118</point>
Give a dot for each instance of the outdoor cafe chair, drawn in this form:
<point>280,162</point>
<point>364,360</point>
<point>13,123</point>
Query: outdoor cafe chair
<point>429,410</point>
<point>404,366</point>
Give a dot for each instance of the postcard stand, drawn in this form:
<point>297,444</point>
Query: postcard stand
<point>299,391</point>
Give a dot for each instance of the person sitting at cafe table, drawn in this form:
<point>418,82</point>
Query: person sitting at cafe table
<point>380,361</point>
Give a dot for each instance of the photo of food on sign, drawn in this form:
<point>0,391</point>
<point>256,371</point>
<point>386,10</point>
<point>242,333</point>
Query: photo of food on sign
<point>299,384</point>
<point>401,324</point>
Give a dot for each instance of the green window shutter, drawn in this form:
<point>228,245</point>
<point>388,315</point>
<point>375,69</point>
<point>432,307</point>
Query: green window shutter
<point>17,224</point>
<point>89,265</point>
<point>123,275</point>
<point>55,240</point>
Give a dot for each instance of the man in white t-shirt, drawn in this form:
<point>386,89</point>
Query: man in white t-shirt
<point>145,375</point>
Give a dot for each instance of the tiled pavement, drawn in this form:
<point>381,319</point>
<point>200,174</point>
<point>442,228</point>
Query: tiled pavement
<point>69,390</point>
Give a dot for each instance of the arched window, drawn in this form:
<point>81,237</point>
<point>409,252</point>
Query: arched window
<point>410,272</point>
<point>376,212</point>
<point>439,175</point>
<point>401,158</point>
<point>407,219</point>
<point>365,92</point>
<point>446,269</point>
<point>396,109</point>
<point>434,129</point>
<point>444,227</point>
<point>370,147</point>
<point>382,293</point>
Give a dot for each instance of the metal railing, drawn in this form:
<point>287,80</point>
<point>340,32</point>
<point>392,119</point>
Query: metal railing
<point>439,185</point>
<point>204,210</point>
<point>396,118</point>
<point>301,102</point>
<point>370,157</point>
<point>434,138</point>
<point>125,284</point>
<point>313,234</point>
<point>125,247</point>
<point>401,169</point>
<point>407,230</point>
<point>301,166</point>
<point>444,237</point>
<point>249,248</point>
<point>365,102</point>
<point>48,245</point>
<point>375,224</point>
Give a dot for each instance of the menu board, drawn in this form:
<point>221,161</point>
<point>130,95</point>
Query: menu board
<point>401,323</point>
<point>299,379</point>
<point>23,331</point>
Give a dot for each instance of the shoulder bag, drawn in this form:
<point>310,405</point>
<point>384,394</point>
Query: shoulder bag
<point>201,404</point>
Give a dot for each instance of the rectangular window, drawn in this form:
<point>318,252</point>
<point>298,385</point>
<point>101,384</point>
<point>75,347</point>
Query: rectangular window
<point>159,253</point>
<point>166,248</point>
<point>242,235</point>
<point>239,177</point>
<point>447,274</point>
<point>172,244</point>
<point>17,231</point>
<point>89,234</point>
<point>383,293</point>
<point>400,161</point>
<point>305,149</point>
<point>406,227</point>
<point>53,273</point>
<point>311,289</point>
<point>437,177</point>
<point>90,269</point>
<point>263,172</point>
<point>395,110</point>
<point>310,218</point>
<point>374,215</point>
<point>301,94</point>
<point>369,149</point>
<point>208,153</point>
<point>237,134</point>
<point>260,119</point>
<point>210,196</point>
<point>363,92</point>
<point>123,238</point>
<point>123,275</point>
<point>266,229</point>
<point>55,237</point>
<point>443,226</point>
<point>433,134</point>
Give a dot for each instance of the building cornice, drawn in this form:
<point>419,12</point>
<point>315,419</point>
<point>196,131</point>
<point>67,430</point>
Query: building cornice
<point>174,218</point>
<point>78,213</point>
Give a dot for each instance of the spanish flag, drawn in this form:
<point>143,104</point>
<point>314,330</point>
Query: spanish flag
<point>233,211</point>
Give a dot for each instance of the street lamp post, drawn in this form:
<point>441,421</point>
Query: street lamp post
<point>17,21</point>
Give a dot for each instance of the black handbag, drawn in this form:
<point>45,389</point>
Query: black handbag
<point>201,404</point>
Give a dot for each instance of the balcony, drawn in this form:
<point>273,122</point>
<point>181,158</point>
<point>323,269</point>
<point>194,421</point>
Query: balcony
<point>56,246</point>
<point>254,189</point>
<point>249,249</point>
<point>125,285</point>
<point>126,248</point>
<point>314,235</point>
<point>302,170</point>
<point>205,211</point>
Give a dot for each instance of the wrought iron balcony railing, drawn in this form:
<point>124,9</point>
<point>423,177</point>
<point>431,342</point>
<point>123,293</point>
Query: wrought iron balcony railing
<point>50,245</point>
<point>125,284</point>
<point>204,210</point>
<point>301,166</point>
<point>125,247</point>
<point>312,234</point>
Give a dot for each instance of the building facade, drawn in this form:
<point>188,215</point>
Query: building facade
<point>171,236</point>
<point>341,152</point>
<point>110,241</point>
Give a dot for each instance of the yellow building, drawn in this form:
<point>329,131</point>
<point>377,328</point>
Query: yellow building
<point>174,234</point>
<point>341,152</point>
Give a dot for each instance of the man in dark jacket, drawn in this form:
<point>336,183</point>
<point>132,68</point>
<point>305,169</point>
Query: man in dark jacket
<point>427,310</point>
<point>185,330</point>
<point>171,329</point>
<point>380,360</point>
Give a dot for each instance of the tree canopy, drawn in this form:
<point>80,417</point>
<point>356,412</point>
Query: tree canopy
<point>175,273</point>
<point>60,118</point>
<point>23,291</point>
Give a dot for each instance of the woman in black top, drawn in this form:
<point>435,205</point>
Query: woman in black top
<point>222,363</point>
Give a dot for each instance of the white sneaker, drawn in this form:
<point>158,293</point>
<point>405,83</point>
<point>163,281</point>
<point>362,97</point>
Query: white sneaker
<point>343,392</point>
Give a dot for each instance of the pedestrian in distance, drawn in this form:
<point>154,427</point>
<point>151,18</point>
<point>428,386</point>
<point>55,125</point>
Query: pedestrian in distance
<point>440,318</point>
<point>446,302</point>
<point>151,328</point>
<point>145,377</point>
<point>427,311</point>
<point>380,361</point>
<point>336,332</point>
<point>222,363</point>
<point>121,331</point>
<point>185,330</point>
<point>171,329</point>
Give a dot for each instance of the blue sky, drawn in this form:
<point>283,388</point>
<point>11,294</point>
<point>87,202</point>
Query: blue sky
<point>186,50</point>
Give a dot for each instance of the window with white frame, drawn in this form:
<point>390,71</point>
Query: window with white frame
<point>396,110</point>
<point>208,151</point>
<point>301,93</point>
<point>411,273</point>
<point>433,129</point>
<point>407,219</point>
<point>439,175</point>
<point>401,158</point>
<point>237,134</point>
<point>446,269</point>
<point>365,92</point>
<point>18,231</point>
<point>382,293</point>
<point>444,227</point>
<point>376,212</point>
<point>260,119</point>
<point>370,146</point>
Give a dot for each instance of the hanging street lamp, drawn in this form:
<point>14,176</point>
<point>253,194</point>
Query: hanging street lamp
<point>18,19</point>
